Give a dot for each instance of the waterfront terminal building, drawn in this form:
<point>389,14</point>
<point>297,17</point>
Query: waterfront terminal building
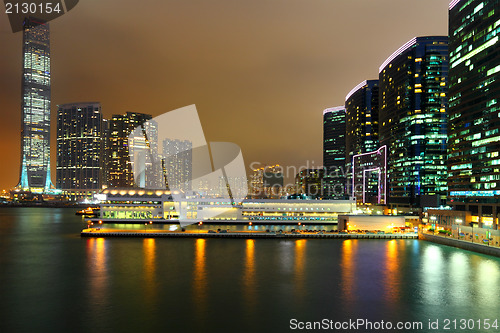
<point>157,206</point>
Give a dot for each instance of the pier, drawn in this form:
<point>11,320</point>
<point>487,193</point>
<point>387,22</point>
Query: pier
<point>240,234</point>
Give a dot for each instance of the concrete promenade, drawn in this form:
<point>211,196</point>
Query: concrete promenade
<point>462,244</point>
<point>247,234</point>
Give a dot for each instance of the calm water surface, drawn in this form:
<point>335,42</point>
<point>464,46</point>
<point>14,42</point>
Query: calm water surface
<point>51,280</point>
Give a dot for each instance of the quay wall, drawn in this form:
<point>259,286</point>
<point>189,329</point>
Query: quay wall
<point>86,233</point>
<point>465,245</point>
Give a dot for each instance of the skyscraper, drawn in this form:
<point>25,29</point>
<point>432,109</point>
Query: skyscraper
<point>413,85</point>
<point>143,155</point>
<point>35,108</point>
<point>80,143</point>
<point>334,135</point>
<point>362,105</point>
<point>120,167</point>
<point>474,134</point>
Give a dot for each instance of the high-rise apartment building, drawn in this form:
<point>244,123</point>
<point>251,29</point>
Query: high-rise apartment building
<point>80,143</point>
<point>178,163</point>
<point>413,87</point>
<point>310,182</point>
<point>35,108</point>
<point>267,181</point>
<point>474,112</point>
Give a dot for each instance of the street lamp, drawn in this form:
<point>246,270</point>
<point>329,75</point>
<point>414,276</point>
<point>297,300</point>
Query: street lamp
<point>458,221</point>
<point>472,226</point>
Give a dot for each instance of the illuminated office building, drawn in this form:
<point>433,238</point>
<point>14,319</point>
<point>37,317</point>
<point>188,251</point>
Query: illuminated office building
<point>334,163</point>
<point>362,119</point>
<point>362,105</point>
<point>413,87</point>
<point>35,108</point>
<point>80,143</point>
<point>474,121</point>
<point>120,166</point>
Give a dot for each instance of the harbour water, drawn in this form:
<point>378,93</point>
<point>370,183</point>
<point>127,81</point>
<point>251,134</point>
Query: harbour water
<point>52,280</point>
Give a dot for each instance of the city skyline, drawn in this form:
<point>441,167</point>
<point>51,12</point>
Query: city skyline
<point>311,165</point>
<point>318,73</point>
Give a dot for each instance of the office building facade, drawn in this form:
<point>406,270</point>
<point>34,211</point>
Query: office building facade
<point>474,125</point>
<point>362,105</point>
<point>413,87</point>
<point>120,165</point>
<point>80,143</point>
<point>35,108</point>
<point>334,143</point>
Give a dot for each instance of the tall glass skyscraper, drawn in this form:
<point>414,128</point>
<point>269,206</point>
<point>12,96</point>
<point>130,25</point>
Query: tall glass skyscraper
<point>80,143</point>
<point>362,119</point>
<point>334,131</point>
<point>474,141</point>
<point>334,127</point>
<point>362,105</point>
<point>413,121</point>
<point>35,108</point>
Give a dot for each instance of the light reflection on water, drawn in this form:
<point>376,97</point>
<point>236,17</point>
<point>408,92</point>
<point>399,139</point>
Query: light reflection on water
<point>200,289</point>
<point>300,268</point>
<point>150,282</point>
<point>249,276</point>
<point>392,272</point>
<point>347,269</point>
<point>97,274</point>
<point>182,285</point>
